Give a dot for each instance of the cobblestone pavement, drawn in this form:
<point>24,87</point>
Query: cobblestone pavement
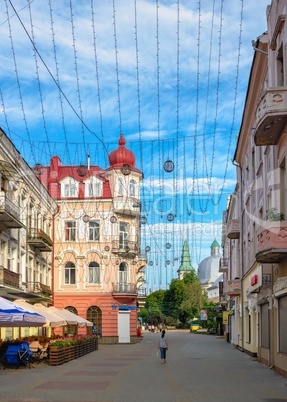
<point>199,368</point>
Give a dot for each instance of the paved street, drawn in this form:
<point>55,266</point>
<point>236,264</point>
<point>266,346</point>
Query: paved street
<point>199,368</point>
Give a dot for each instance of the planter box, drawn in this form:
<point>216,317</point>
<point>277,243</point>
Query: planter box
<point>56,355</point>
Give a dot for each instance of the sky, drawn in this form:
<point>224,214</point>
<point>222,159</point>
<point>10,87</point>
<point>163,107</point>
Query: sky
<point>170,75</point>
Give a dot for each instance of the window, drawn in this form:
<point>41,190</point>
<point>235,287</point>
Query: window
<point>94,272</point>
<point>132,189</point>
<point>70,273</point>
<point>70,189</point>
<point>120,187</point>
<point>95,188</point>
<point>70,231</point>
<point>94,231</point>
<point>94,314</point>
<point>123,235</point>
<point>265,340</point>
<point>123,277</point>
<point>282,317</point>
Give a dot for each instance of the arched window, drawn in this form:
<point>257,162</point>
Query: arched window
<point>71,330</point>
<point>123,277</point>
<point>132,189</point>
<point>120,187</point>
<point>70,273</point>
<point>94,314</point>
<point>72,309</point>
<point>94,272</point>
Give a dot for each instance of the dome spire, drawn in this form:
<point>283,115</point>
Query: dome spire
<point>122,155</point>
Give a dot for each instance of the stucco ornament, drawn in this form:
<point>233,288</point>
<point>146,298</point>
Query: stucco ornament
<point>266,294</point>
<point>252,303</point>
<point>280,284</point>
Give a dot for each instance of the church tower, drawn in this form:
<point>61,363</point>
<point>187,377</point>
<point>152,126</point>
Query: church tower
<point>185,265</point>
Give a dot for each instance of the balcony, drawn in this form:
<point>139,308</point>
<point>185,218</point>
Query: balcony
<point>10,213</point>
<point>272,243</point>
<point>271,116</point>
<point>232,229</point>
<point>40,240</point>
<point>38,287</point>
<point>223,265</point>
<point>125,206</point>
<point>9,278</point>
<point>128,249</point>
<point>128,288</point>
<point>233,287</point>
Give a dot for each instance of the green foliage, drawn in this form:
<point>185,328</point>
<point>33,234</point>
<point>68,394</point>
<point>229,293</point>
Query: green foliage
<point>176,305</point>
<point>273,215</point>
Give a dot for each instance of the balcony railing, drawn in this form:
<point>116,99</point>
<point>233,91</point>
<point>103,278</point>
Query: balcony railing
<point>128,248</point>
<point>38,287</point>
<point>124,206</point>
<point>271,116</point>
<point>233,229</point>
<point>124,288</point>
<point>40,240</point>
<point>9,213</point>
<point>223,264</point>
<point>9,278</point>
<point>233,287</point>
<point>272,243</point>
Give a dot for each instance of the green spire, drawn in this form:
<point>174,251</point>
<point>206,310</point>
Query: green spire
<point>185,264</point>
<point>215,244</point>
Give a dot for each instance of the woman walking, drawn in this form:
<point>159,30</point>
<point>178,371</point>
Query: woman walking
<point>163,346</point>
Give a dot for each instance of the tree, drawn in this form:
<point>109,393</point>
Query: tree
<point>152,312</point>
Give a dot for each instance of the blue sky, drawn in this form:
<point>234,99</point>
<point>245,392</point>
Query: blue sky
<point>170,75</point>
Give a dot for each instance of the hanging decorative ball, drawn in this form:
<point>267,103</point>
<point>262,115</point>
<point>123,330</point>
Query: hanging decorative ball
<point>38,169</point>
<point>168,166</point>
<point>82,170</point>
<point>113,219</point>
<point>86,218</point>
<point>167,262</point>
<point>127,248</point>
<point>147,249</point>
<point>168,245</point>
<point>126,169</point>
<point>107,248</point>
<point>170,217</point>
<point>151,263</point>
<point>117,262</point>
<point>134,262</point>
<point>143,220</point>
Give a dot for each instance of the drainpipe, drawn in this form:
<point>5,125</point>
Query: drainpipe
<point>53,253</point>
<point>241,259</point>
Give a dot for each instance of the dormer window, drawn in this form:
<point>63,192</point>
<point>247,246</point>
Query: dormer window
<point>69,187</point>
<point>70,190</point>
<point>94,187</point>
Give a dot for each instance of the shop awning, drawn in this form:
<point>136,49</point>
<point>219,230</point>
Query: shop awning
<point>71,318</point>
<point>52,319</point>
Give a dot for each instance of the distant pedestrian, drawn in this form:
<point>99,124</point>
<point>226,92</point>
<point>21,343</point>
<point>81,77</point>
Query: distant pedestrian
<point>163,346</point>
<point>160,327</point>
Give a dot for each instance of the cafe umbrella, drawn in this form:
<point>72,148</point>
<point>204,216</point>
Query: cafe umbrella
<point>13,315</point>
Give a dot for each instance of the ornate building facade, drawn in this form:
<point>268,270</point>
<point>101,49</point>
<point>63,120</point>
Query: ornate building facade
<point>254,227</point>
<point>98,267</point>
<point>26,231</point>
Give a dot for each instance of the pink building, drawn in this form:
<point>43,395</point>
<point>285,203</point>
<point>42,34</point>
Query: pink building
<point>97,265</point>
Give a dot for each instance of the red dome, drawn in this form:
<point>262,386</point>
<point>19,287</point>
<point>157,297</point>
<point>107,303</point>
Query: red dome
<point>122,156</point>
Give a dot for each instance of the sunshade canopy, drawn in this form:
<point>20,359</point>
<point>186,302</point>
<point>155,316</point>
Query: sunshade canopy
<point>13,315</point>
<point>52,319</point>
<point>71,318</point>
